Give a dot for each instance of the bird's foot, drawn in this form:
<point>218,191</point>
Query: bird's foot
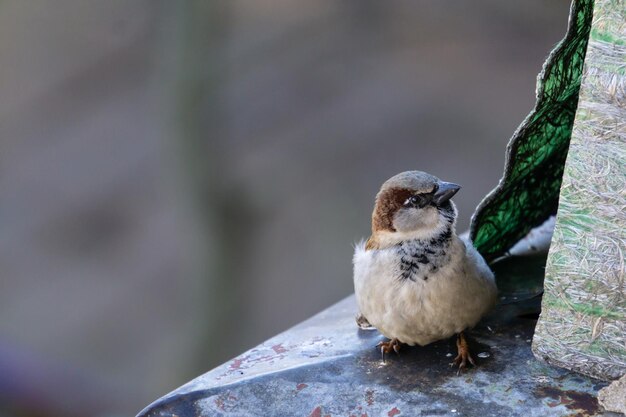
<point>387,347</point>
<point>463,356</point>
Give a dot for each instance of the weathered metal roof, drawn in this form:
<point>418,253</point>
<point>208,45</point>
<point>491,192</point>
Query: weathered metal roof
<point>326,366</point>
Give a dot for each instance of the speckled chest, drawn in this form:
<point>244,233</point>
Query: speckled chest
<point>422,259</point>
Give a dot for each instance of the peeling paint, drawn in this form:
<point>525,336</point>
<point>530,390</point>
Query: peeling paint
<point>317,412</point>
<point>236,364</point>
<point>393,412</point>
<point>279,348</point>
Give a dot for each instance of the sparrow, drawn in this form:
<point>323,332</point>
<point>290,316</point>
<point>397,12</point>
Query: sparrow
<point>415,280</point>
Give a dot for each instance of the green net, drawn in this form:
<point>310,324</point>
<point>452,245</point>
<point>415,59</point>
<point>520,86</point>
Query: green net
<point>528,193</point>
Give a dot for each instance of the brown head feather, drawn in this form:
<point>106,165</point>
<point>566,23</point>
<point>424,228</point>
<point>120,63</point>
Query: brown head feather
<point>391,197</point>
<point>388,202</point>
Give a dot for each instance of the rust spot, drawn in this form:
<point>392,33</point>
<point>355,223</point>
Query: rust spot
<point>300,387</point>
<point>586,403</point>
<point>582,403</point>
<point>317,412</point>
<point>393,412</point>
<point>225,401</point>
<point>279,348</point>
<point>369,397</point>
<point>219,402</point>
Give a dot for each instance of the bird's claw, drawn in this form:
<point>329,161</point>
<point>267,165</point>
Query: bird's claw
<point>463,355</point>
<point>461,361</point>
<point>387,347</point>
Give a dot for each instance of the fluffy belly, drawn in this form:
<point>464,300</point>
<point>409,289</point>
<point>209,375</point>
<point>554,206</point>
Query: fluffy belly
<point>424,310</point>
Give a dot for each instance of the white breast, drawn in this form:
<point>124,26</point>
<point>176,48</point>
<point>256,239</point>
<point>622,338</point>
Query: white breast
<point>424,310</point>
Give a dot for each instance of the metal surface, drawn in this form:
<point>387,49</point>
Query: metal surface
<point>326,366</point>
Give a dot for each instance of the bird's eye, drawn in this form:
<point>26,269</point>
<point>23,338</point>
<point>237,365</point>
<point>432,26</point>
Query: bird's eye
<point>412,201</point>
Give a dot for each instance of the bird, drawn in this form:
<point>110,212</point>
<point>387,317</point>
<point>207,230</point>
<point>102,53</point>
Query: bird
<point>415,280</point>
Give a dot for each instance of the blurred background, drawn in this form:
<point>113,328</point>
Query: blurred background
<point>182,180</point>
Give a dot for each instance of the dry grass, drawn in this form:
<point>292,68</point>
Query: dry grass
<point>583,322</point>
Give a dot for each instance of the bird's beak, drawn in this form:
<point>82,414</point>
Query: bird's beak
<point>445,192</point>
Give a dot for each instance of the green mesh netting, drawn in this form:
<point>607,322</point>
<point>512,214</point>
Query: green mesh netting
<point>528,193</point>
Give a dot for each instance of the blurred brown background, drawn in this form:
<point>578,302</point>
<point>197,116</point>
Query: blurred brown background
<point>182,180</point>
